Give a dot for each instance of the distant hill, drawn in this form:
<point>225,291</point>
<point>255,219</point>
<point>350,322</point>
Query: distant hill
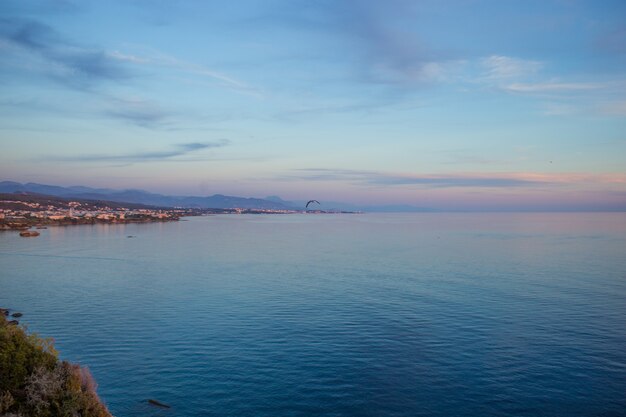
<point>142,197</point>
<point>63,202</point>
<point>217,201</point>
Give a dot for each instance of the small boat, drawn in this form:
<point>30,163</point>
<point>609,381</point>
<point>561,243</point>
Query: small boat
<point>29,233</point>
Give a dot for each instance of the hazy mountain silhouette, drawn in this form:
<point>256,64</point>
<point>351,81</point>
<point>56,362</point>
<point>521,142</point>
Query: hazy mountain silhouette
<point>141,197</point>
<point>214,201</point>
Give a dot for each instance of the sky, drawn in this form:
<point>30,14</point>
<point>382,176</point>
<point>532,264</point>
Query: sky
<point>450,105</point>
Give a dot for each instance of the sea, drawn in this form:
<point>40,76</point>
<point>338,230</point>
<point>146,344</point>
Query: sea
<point>426,314</point>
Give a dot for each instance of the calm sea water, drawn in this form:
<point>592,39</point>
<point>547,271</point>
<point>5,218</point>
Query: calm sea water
<point>336,315</point>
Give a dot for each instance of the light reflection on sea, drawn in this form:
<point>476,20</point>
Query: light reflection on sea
<point>336,315</point>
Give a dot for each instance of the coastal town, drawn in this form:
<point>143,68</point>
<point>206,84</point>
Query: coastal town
<point>27,213</point>
<point>23,212</point>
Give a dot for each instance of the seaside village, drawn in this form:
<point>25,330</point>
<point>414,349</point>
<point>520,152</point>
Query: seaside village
<point>22,215</point>
<point>27,211</point>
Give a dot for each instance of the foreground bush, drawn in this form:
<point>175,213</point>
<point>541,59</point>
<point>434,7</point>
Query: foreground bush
<point>33,382</point>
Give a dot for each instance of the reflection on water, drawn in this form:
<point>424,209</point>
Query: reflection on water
<point>345,315</point>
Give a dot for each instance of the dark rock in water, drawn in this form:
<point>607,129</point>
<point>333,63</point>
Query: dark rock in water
<point>158,403</point>
<point>129,236</point>
<point>14,322</point>
<point>16,315</point>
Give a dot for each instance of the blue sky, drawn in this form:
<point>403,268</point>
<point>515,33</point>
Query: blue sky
<point>464,104</point>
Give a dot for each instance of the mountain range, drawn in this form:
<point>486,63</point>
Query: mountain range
<point>214,201</point>
<point>141,197</point>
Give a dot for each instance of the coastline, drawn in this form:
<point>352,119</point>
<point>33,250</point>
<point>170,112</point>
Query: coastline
<point>26,223</point>
<point>21,212</point>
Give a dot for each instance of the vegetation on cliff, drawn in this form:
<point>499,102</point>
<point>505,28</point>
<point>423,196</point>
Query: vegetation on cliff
<point>34,382</point>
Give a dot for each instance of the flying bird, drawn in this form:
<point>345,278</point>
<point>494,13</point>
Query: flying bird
<point>311,201</point>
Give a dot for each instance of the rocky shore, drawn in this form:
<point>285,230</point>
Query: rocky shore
<point>42,223</point>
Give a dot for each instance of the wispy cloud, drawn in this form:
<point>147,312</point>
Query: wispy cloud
<point>117,55</point>
<point>384,48</point>
<point>41,7</point>
<point>140,112</point>
<point>39,48</point>
<point>150,57</point>
<point>73,64</point>
<point>500,67</point>
<point>79,65</point>
<point>390,179</point>
<point>468,180</point>
<point>552,87</point>
<point>147,156</point>
<point>365,108</point>
<point>391,55</point>
<point>566,96</point>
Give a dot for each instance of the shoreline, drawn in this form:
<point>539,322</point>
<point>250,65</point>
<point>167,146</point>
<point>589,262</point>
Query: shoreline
<point>37,223</point>
<point>27,224</point>
<point>22,212</point>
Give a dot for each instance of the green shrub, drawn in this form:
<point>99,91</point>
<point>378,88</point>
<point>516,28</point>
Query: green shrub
<point>21,354</point>
<point>33,382</point>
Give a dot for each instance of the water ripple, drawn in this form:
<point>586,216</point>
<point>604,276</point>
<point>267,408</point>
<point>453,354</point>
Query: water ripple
<point>394,315</point>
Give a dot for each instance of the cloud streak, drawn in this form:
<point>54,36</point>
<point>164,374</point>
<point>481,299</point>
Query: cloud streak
<point>160,60</point>
<point>147,156</point>
<point>75,63</point>
<point>495,180</point>
<point>521,77</point>
<point>384,48</point>
<point>71,64</point>
<point>139,112</point>
<point>552,87</point>
<point>500,67</point>
<point>433,181</point>
<point>390,55</point>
